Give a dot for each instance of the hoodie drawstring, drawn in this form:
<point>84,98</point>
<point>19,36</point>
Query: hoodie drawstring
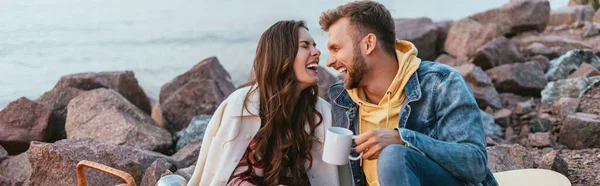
<point>387,118</point>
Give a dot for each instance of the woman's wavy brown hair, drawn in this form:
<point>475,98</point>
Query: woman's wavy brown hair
<point>283,143</point>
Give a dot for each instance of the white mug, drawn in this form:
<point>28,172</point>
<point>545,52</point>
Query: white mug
<point>338,143</point>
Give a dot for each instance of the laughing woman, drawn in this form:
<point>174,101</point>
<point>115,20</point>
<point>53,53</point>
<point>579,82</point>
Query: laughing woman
<point>271,132</point>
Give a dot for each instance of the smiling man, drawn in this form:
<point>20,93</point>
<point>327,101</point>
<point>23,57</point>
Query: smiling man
<point>417,122</point>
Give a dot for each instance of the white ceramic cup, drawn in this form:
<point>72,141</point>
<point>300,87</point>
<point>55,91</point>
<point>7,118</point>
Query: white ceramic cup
<point>338,143</point>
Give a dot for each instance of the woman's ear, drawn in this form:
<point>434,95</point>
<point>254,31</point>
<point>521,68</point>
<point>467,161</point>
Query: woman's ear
<point>370,43</point>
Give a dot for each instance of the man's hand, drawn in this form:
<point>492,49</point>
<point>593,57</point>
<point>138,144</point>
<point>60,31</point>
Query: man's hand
<point>372,142</point>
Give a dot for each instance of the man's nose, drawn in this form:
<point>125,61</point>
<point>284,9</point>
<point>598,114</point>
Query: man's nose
<point>330,60</point>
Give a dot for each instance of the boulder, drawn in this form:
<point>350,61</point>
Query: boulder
<point>58,98</point>
<point>517,16</point>
<point>186,172</point>
<point>585,70</point>
<point>481,86</point>
<point>5,181</point>
<point>3,153</point>
<point>540,124</point>
<point>583,31</point>
<point>520,78</point>
<point>509,157</point>
<point>155,171</point>
<point>542,139</point>
<point>571,14</point>
<point>443,28</point>
<point>105,115</point>
<point>489,126</point>
<point>466,36</point>
<point>326,79</point>
<point>503,117</point>
<point>553,161</point>
<point>525,107</point>
<point>565,106</point>
<point>565,65</point>
<point>422,32</point>
<point>23,121</point>
<point>596,17</point>
<point>497,52</point>
<point>572,88</point>
<point>510,100</point>
<point>123,82</point>
<point>195,130</point>
<point>198,91</point>
<point>580,131</point>
<point>543,61</point>
<point>157,115</point>
<point>551,46</point>
<point>16,168</point>
<point>590,100</point>
<point>55,162</point>
<point>449,60</point>
<point>188,155</point>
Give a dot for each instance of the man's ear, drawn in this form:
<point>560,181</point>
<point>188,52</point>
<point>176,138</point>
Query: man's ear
<point>370,43</point>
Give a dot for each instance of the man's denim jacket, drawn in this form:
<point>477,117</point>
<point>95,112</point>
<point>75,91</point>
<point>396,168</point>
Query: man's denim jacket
<point>439,119</point>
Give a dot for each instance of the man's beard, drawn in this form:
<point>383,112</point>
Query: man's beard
<point>357,71</point>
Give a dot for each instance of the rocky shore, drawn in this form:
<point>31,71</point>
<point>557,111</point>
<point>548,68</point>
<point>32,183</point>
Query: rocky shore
<point>535,73</point>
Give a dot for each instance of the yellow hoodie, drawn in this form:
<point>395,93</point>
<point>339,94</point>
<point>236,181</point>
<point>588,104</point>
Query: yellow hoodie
<point>385,114</point>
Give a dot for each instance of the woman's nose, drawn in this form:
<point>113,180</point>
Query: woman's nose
<point>316,52</point>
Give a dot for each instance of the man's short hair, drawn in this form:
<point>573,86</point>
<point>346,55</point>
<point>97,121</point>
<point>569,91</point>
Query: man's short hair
<point>365,17</point>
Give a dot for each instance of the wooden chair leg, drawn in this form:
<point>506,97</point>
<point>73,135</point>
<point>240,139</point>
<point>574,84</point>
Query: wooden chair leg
<point>81,181</point>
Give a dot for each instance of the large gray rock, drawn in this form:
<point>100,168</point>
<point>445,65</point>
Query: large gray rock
<point>105,115</point>
<point>590,99</point>
<point>498,52</point>
<point>571,14</point>
<point>422,32</point>
<point>489,126</point>
<point>572,88</point>
<point>562,67</point>
<point>509,157</point>
<point>16,168</point>
<point>481,86</point>
<point>198,91</point>
<point>195,130</point>
<point>58,98</point>
<point>325,81</point>
<point>123,82</point>
<point>519,78</point>
<point>468,34</point>
<point>23,121</point>
<point>580,131</point>
<point>55,162</point>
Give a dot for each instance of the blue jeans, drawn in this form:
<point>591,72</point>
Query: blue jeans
<point>401,166</point>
